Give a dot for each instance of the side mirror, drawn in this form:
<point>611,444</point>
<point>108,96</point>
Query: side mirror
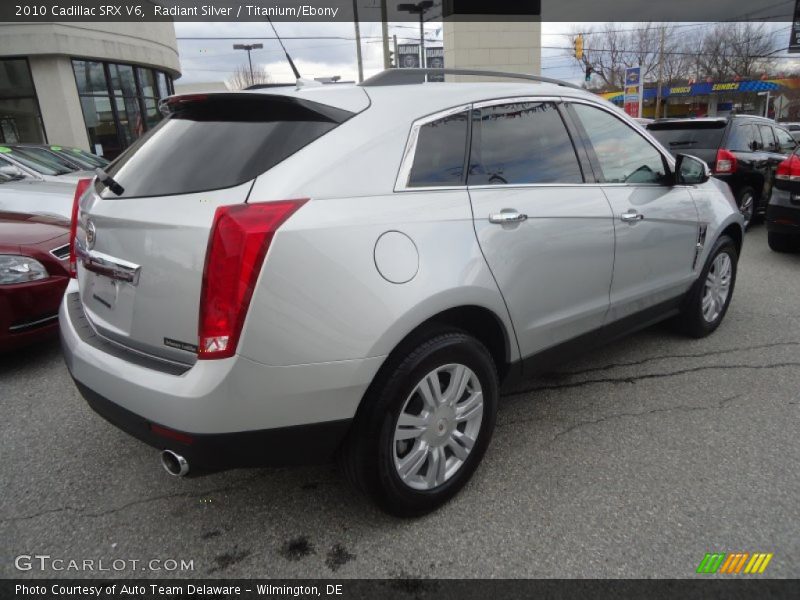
<point>690,170</point>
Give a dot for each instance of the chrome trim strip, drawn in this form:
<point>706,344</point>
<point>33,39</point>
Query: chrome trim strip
<point>32,324</point>
<point>515,100</point>
<point>109,266</point>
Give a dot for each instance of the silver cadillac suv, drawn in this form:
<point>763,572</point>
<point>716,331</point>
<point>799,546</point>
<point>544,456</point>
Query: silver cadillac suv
<point>284,275</point>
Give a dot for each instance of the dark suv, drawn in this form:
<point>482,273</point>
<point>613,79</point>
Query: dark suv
<point>742,150</point>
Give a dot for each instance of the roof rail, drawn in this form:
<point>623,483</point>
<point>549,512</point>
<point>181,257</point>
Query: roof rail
<point>412,76</point>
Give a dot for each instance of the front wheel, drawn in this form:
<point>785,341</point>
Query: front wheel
<point>708,300</point>
<point>423,429</point>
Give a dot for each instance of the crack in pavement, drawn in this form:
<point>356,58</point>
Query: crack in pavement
<point>643,361</point>
<point>636,378</point>
<point>227,488</point>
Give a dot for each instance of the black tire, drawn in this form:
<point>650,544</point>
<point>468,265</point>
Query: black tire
<point>744,195</point>
<point>368,454</point>
<point>691,320</point>
<point>783,242</point>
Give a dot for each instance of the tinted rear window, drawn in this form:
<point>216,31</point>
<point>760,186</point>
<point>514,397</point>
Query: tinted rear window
<point>219,142</point>
<point>698,134</point>
<point>441,147</point>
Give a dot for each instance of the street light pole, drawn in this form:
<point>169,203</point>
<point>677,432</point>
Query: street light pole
<point>249,48</point>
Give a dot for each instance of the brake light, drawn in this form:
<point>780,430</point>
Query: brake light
<point>80,189</point>
<point>237,245</point>
<point>789,170</point>
<point>726,162</point>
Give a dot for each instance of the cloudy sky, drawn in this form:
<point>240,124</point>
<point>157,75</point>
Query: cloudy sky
<point>328,50</point>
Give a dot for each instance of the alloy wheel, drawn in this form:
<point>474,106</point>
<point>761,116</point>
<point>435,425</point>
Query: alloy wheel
<point>717,287</point>
<point>438,426</point>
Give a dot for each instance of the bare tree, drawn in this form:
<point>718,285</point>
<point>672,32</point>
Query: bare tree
<point>721,51</point>
<point>241,77</point>
<point>729,50</point>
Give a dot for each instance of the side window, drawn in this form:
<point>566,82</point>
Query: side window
<point>521,143</point>
<point>623,154</point>
<point>767,138</point>
<point>440,152</point>
<point>786,143</point>
<point>744,138</point>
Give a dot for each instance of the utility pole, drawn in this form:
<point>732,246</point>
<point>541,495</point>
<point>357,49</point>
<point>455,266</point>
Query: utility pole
<point>249,48</point>
<point>657,113</point>
<point>385,34</point>
<point>358,42</point>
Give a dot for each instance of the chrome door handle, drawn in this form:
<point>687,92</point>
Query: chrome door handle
<point>631,216</point>
<point>507,215</point>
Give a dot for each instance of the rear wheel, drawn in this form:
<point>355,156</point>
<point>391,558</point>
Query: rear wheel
<point>708,300</point>
<point>782,242</point>
<point>424,425</point>
<point>746,200</point>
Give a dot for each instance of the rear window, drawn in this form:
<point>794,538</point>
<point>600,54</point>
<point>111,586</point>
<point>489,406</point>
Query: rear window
<point>219,141</point>
<point>697,134</point>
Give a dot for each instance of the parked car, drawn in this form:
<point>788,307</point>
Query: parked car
<point>783,212</point>
<point>21,192</point>
<point>33,274</point>
<point>743,151</point>
<point>73,158</point>
<point>37,168</point>
<point>793,129</point>
<point>349,279</point>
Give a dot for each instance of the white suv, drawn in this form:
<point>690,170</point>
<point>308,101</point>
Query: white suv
<point>280,275</point>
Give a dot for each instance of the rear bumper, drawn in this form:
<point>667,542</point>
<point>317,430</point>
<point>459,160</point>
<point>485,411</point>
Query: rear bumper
<point>783,219</point>
<point>232,406</point>
<point>282,446</point>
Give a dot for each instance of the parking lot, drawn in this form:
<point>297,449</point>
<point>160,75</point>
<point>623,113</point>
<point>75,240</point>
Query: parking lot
<point>633,461</point>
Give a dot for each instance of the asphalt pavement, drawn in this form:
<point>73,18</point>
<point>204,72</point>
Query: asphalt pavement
<point>633,461</point>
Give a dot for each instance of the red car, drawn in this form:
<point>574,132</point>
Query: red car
<point>34,255</point>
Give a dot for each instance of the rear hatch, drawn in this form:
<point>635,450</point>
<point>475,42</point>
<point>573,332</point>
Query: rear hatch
<point>700,138</point>
<point>144,249</point>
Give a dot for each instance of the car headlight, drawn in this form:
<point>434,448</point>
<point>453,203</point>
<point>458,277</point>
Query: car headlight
<point>20,269</point>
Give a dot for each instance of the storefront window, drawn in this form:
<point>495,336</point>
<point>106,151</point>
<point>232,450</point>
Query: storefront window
<point>20,119</point>
<point>120,103</point>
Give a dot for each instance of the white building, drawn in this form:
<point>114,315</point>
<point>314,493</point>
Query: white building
<point>91,85</point>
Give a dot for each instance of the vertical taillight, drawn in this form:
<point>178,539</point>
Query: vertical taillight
<point>726,162</point>
<point>789,169</point>
<point>80,189</point>
<point>237,245</point>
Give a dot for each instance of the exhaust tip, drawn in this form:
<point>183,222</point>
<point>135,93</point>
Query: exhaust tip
<point>174,463</point>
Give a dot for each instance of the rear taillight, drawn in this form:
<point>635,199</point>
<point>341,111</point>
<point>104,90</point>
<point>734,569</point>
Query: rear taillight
<point>80,189</point>
<point>726,162</point>
<point>237,245</point>
<point>789,170</point>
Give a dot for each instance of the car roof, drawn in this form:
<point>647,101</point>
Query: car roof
<point>419,99</point>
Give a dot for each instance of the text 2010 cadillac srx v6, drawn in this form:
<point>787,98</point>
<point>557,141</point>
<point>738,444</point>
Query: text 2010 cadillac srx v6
<point>282,275</point>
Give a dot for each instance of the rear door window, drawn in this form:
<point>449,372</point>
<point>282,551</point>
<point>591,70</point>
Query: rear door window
<point>768,138</point>
<point>219,141</point>
<point>441,148</point>
<point>744,138</point>
<point>522,143</point>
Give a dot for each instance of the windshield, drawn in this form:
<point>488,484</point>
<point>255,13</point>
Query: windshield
<point>33,164</point>
<point>9,172</point>
<point>89,160</point>
<point>697,134</point>
<point>45,157</point>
